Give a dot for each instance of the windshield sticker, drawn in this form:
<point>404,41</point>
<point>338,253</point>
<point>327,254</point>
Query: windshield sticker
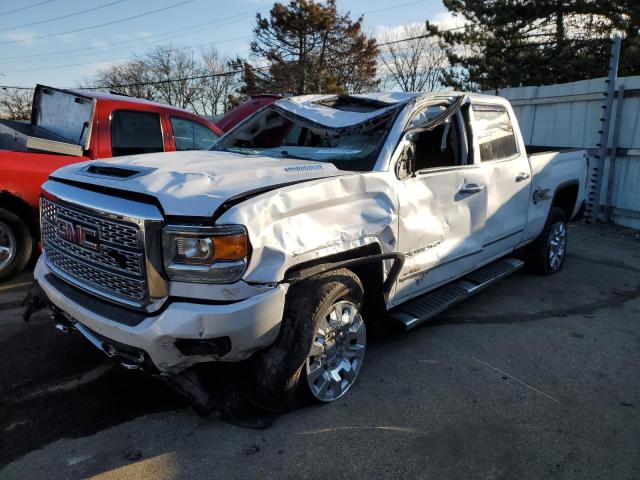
<point>303,168</point>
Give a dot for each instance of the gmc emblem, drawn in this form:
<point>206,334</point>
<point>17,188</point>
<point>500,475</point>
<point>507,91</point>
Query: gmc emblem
<point>83,236</point>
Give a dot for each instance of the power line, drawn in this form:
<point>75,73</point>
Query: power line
<point>206,76</point>
<point>40,22</point>
<point>191,29</point>
<point>425,35</point>
<point>55,67</point>
<point>103,24</point>
<point>7,12</point>
<point>393,7</point>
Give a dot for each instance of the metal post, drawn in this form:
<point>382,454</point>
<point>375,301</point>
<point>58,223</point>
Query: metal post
<point>611,177</point>
<point>604,131</point>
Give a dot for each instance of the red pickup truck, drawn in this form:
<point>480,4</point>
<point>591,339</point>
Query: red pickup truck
<point>69,126</point>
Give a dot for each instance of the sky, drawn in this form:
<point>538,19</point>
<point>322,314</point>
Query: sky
<point>37,46</point>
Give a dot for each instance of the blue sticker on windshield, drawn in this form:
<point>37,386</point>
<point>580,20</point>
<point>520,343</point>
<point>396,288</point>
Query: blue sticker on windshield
<point>303,168</point>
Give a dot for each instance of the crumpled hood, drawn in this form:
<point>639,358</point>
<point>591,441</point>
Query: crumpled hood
<point>194,183</point>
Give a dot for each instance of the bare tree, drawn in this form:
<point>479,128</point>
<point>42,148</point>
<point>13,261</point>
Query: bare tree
<point>168,74</point>
<point>218,86</point>
<point>129,78</point>
<point>15,104</point>
<point>170,63</point>
<point>411,59</point>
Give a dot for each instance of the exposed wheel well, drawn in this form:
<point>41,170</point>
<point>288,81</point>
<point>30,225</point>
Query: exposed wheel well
<point>565,198</point>
<point>22,209</point>
<point>370,274</point>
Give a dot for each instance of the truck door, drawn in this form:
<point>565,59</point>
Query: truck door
<point>442,201</point>
<point>508,176</point>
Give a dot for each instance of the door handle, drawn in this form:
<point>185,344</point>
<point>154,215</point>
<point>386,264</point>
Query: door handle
<point>472,188</point>
<point>522,176</point>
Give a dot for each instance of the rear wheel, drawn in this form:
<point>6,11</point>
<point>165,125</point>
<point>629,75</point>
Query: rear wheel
<point>16,244</point>
<point>321,345</point>
<point>547,253</point>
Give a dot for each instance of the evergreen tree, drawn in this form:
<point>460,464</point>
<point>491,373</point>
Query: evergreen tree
<point>310,48</point>
<point>534,42</point>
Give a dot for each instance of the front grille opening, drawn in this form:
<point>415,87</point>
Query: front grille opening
<point>106,171</point>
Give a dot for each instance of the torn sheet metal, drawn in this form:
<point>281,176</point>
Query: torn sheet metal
<point>309,108</point>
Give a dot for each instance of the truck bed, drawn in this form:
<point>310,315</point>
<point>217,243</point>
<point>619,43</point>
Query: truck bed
<point>25,137</point>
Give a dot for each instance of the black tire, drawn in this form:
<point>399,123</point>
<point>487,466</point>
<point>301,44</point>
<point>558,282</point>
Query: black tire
<point>539,258</point>
<point>280,371</point>
<point>15,231</point>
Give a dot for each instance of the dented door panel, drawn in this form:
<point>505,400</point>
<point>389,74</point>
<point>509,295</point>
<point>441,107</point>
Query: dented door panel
<point>441,229</point>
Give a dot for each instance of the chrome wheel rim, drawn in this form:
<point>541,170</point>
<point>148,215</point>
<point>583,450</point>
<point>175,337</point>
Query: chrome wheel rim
<point>7,246</point>
<point>337,352</point>
<point>557,245</point>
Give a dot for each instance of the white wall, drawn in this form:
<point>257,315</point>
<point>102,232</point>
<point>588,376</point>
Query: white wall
<point>568,115</point>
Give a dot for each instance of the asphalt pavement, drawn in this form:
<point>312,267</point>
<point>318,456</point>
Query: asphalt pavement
<point>536,377</point>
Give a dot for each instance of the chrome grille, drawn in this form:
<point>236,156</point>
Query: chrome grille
<point>115,266</point>
<point>116,258</point>
<point>111,232</point>
<point>125,287</point>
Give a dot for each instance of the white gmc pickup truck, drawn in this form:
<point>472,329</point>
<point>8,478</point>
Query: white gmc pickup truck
<point>313,218</point>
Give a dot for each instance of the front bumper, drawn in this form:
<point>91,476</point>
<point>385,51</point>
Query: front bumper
<point>250,324</point>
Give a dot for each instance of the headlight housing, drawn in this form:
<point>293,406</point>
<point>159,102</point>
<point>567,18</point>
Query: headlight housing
<point>216,254</point>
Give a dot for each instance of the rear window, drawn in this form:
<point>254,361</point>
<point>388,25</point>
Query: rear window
<point>495,132</point>
<point>135,132</point>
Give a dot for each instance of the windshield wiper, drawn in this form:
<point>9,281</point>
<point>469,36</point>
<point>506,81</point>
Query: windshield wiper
<point>286,154</point>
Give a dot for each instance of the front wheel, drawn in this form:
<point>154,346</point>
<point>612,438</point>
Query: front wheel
<point>320,349</point>
<point>547,253</point>
<point>337,352</point>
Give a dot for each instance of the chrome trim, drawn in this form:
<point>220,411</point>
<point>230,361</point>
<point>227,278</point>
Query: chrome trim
<point>105,205</point>
<point>149,221</point>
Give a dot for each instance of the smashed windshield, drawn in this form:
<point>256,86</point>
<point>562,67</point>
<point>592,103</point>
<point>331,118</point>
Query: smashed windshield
<point>276,133</point>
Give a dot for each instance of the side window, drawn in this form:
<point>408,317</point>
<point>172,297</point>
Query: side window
<point>495,132</point>
<point>438,147</point>
<point>190,135</point>
<point>135,132</point>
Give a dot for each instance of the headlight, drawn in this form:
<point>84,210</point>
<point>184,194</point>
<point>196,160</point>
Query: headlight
<point>205,254</point>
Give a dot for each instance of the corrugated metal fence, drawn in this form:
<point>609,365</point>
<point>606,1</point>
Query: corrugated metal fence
<point>569,115</point>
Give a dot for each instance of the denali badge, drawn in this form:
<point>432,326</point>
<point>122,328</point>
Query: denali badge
<point>83,236</point>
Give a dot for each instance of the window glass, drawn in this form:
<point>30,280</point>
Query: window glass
<point>135,132</point>
<point>278,134</point>
<point>437,147</point>
<point>190,135</point>
<point>495,132</point>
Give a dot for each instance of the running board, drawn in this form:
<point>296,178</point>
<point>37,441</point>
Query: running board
<point>418,310</point>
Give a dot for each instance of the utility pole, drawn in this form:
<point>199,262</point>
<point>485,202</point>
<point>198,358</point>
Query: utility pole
<point>605,122</point>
